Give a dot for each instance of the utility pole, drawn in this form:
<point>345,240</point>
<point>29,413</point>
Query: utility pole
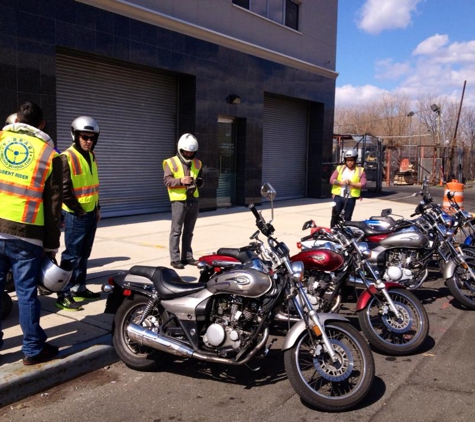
<point>453,142</point>
<point>436,109</point>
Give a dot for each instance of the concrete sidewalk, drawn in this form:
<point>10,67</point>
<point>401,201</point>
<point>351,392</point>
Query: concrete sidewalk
<point>84,337</point>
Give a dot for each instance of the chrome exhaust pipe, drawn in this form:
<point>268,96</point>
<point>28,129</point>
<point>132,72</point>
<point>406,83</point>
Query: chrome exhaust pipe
<point>281,316</point>
<point>149,338</point>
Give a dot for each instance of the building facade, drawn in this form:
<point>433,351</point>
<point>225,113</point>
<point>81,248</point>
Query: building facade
<point>254,80</point>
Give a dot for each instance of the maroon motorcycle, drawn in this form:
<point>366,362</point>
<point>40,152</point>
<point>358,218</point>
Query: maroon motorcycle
<point>392,318</point>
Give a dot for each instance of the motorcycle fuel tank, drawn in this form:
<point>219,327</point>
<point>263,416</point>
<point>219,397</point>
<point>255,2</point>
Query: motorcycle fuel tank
<point>319,259</point>
<point>242,282</point>
<point>409,239</point>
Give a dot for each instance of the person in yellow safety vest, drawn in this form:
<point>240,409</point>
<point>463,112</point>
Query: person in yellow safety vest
<point>183,177</point>
<point>80,210</point>
<point>30,215</point>
<point>347,177</point>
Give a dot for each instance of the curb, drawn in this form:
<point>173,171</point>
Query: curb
<point>24,381</point>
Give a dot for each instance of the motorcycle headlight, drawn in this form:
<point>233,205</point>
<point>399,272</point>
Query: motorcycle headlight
<point>297,270</point>
<point>364,249</point>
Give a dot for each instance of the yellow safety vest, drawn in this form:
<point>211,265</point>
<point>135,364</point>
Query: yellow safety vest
<point>354,192</point>
<point>25,164</point>
<point>178,193</point>
<point>85,179</point>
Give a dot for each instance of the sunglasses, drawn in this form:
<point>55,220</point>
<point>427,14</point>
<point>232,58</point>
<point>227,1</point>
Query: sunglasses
<point>87,137</point>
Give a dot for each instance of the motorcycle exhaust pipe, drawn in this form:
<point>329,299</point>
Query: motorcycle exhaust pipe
<point>280,316</point>
<point>354,281</point>
<point>149,338</point>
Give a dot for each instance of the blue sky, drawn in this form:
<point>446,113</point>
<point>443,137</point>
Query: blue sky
<point>414,47</point>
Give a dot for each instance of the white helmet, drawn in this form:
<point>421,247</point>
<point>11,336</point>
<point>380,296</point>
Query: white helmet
<point>10,119</point>
<point>53,277</point>
<point>350,153</point>
<point>84,124</point>
<point>187,142</point>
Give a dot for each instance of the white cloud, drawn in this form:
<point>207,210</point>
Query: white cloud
<point>390,70</point>
<point>349,94</point>
<point>376,16</point>
<point>431,45</point>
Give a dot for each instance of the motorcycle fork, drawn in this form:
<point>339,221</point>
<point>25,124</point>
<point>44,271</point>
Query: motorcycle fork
<point>317,328</point>
<point>379,286</point>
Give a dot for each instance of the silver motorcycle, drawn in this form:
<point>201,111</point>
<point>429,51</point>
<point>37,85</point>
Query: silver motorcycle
<point>228,318</point>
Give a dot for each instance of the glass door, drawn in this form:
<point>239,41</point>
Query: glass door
<point>226,193</point>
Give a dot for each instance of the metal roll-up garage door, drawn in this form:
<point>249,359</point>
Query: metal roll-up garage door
<point>136,111</point>
<point>285,146</point>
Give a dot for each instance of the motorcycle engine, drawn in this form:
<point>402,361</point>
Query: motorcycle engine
<point>402,265</point>
<point>233,320</point>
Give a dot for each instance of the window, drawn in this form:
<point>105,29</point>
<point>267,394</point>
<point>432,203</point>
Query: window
<point>242,3</point>
<point>285,12</point>
<point>291,14</point>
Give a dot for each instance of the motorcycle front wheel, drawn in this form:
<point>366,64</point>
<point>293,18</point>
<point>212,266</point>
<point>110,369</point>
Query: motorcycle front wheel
<point>462,284</point>
<point>134,355</point>
<point>326,385</point>
<point>392,335</point>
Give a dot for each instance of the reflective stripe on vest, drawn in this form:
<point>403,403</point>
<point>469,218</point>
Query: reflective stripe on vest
<point>85,180</point>
<point>25,164</point>
<point>178,193</point>
<point>354,192</point>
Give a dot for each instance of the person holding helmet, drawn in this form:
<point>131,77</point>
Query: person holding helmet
<point>10,119</point>
<point>348,180</point>
<point>31,197</point>
<point>182,177</point>
<point>80,210</point>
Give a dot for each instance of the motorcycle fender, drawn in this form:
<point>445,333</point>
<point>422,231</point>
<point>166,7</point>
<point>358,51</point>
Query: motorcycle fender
<point>299,327</point>
<point>121,284</point>
<point>370,291</point>
<point>449,268</point>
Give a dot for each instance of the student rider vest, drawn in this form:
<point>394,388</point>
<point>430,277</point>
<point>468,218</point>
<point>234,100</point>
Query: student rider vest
<point>25,165</point>
<point>354,192</point>
<point>178,193</point>
<point>85,179</point>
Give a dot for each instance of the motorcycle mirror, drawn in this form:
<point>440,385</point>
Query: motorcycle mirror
<point>310,224</point>
<point>386,212</point>
<point>268,192</point>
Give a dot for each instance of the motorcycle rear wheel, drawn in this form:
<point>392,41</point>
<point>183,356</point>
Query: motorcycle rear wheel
<point>392,336</point>
<point>328,386</point>
<point>134,355</point>
<point>462,285</point>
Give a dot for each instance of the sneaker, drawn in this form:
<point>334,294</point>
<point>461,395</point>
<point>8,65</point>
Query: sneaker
<point>49,352</point>
<point>86,295</point>
<point>177,264</point>
<point>68,304</point>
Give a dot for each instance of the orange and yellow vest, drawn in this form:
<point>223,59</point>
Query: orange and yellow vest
<point>25,164</point>
<point>85,179</point>
<point>178,193</point>
<point>354,192</point>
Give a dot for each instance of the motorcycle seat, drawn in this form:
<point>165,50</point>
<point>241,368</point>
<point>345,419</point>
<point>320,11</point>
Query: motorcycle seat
<point>362,225</point>
<point>166,281</point>
<point>242,255</point>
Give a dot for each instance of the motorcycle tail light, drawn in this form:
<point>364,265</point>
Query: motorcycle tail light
<point>127,292</point>
<point>299,245</point>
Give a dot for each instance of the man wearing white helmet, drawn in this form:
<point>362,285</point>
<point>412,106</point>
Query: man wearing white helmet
<point>348,180</point>
<point>182,177</point>
<point>80,210</point>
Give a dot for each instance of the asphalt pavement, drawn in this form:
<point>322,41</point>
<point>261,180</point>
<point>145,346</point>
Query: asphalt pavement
<point>84,337</point>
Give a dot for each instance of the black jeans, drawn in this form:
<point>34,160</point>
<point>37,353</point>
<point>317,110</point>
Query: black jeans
<point>339,204</point>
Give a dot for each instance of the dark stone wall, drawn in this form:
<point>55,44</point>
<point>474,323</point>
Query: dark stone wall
<point>32,31</point>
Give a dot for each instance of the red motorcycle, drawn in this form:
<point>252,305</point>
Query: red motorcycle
<point>392,318</point>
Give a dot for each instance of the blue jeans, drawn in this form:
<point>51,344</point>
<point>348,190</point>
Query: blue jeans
<point>24,259</point>
<point>79,234</point>
<point>339,204</point>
